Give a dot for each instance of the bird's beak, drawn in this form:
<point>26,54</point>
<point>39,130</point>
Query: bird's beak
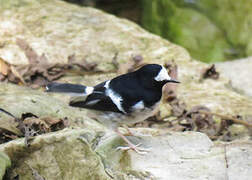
<point>172,81</point>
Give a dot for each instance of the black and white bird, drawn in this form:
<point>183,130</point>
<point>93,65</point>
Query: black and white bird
<point>123,100</point>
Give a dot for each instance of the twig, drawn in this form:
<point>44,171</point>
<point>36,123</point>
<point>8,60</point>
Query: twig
<point>226,161</point>
<point>35,173</point>
<point>8,113</point>
<point>225,117</point>
<point>83,73</point>
<point>27,131</point>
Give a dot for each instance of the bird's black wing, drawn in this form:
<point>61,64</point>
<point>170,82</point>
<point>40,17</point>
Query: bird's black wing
<point>98,100</point>
<point>132,90</point>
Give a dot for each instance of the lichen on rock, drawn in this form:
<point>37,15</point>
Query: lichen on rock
<point>4,163</point>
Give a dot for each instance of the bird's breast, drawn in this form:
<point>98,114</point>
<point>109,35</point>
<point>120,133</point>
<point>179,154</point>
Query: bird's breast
<point>113,119</point>
<point>138,113</point>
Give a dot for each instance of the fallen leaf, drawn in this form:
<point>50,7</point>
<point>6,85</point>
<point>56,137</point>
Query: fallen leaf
<point>29,134</point>
<point>201,122</point>
<point>39,72</point>
<point>6,135</point>
<point>17,74</point>
<point>56,124</point>
<point>115,61</point>
<point>169,90</point>
<point>37,124</point>
<point>178,108</point>
<point>2,77</point>
<point>210,72</point>
<point>134,63</point>
<point>28,126</point>
<point>83,64</point>
<point>4,67</point>
<point>31,55</point>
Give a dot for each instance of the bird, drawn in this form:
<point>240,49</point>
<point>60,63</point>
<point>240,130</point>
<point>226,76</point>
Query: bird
<point>123,100</point>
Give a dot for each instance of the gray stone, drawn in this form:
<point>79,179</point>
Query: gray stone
<point>63,155</point>
<point>240,74</point>
<point>189,156</point>
<point>83,154</point>
<point>239,161</point>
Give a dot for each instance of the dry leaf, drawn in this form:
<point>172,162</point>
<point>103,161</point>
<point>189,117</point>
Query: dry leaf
<point>28,126</point>
<point>169,90</point>
<point>37,124</point>
<point>178,108</point>
<point>210,72</point>
<point>135,62</point>
<point>17,74</point>
<point>201,122</point>
<point>4,67</point>
<point>31,55</point>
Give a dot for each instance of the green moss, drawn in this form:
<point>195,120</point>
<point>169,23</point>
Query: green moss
<point>4,163</point>
<point>6,4</point>
<point>212,30</point>
<point>62,155</point>
<point>114,160</point>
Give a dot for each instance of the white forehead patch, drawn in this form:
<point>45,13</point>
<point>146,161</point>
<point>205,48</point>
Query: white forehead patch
<point>162,75</point>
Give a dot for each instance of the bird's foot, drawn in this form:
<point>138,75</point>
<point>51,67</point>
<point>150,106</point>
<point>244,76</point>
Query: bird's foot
<point>135,148</point>
<point>132,146</point>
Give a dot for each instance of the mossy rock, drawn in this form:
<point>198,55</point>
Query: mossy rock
<point>4,164</point>
<point>212,30</point>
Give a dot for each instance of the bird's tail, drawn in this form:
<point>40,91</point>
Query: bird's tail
<point>73,89</point>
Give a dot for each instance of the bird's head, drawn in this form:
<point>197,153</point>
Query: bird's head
<point>155,75</point>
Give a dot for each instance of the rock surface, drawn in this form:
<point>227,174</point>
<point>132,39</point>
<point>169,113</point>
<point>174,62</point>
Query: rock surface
<point>62,155</point>
<point>240,74</point>
<point>192,155</point>
<point>83,154</point>
<point>4,163</point>
<point>18,100</point>
<point>57,30</point>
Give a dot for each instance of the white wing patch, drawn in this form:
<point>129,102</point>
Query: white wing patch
<point>90,103</point>
<point>116,98</point>
<point>138,106</point>
<point>162,75</point>
<point>107,84</point>
<point>89,90</point>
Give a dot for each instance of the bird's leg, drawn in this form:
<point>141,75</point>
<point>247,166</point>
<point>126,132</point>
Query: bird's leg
<point>131,133</point>
<point>131,145</point>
